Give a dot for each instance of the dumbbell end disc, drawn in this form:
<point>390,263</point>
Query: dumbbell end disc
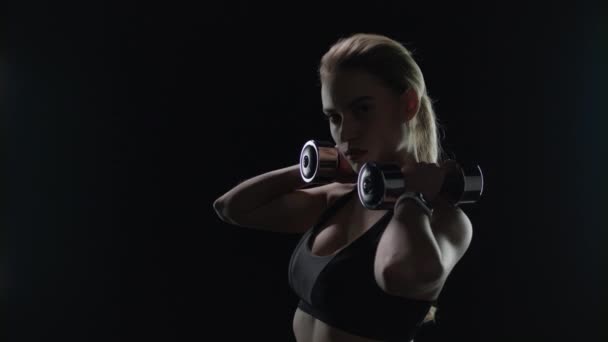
<point>473,184</point>
<point>370,186</point>
<point>318,161</point>
<point>309,161</point>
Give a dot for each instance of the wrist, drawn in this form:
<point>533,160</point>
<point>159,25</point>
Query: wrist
<point>415,201</point>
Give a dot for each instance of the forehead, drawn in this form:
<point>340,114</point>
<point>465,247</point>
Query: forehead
<point>342,86</point>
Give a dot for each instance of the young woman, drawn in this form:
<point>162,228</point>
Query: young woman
<point>363,275</point>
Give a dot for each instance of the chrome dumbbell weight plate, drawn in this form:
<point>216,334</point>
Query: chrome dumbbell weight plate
<point>318,161</point>
<point>379,185</point>
<point>462,183</point>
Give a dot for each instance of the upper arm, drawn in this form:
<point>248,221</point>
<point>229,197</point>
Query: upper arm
<point>453,232</point>
<point>294,212</point>
<point>449,236</point>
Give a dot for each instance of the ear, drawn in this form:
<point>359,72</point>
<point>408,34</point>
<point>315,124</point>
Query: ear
<point>409,103</point>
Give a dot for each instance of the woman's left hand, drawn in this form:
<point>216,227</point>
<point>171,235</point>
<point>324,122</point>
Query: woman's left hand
<point>426,178</point>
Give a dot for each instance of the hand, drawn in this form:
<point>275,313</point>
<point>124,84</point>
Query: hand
<point>426,178</point>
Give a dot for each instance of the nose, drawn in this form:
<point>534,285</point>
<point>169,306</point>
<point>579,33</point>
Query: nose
<point>350,130</point>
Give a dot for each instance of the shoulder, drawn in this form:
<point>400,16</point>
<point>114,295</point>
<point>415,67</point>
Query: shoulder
<point>450,218</point>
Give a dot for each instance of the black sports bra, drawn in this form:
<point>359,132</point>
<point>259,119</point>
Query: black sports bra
<point>340,289</point>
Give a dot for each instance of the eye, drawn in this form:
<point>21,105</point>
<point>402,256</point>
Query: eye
<point>363,108</point>
<point>332,118</point>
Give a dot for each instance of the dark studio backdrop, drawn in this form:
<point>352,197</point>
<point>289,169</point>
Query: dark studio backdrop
<point>125,122</point>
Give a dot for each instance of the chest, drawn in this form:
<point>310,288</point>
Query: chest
<point>344,227</point>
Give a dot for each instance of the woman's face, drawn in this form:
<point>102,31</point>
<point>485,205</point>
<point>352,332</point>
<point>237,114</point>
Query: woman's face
<point>365,114</point>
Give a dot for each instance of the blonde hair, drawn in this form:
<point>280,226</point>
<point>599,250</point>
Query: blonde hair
<point>430,316</point>
<point>393,63</point>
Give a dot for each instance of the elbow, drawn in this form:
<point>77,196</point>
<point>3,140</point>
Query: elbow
<point>430,273</point>
<point>219,206</point>
<point>408,281</point>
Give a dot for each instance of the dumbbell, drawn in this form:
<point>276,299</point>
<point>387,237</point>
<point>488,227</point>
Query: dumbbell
<point>321,162</point>
<point>379,185</point>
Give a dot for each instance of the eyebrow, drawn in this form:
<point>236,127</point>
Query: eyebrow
<point>352,103</point>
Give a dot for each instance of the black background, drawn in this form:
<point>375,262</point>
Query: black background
<point>125,121</point>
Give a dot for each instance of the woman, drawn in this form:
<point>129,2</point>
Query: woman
<point>363,275</point>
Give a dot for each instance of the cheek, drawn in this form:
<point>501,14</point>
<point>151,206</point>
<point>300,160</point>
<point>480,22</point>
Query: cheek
<point>333,129</point>
<point>383,130</point>
<point>334,134</point>
<point>388,137</point>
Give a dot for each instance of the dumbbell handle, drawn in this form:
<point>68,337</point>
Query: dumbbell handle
<point>462,184</point>
<point>381,184</point>
<point>321,162</point>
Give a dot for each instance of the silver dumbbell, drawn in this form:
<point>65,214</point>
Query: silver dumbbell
<point>379,185</point>
<point>321,162</point>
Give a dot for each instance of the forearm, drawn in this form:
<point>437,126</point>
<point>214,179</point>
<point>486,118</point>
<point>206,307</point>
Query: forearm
<point>443,212</point>
<point>408,244</point>
<point>259,190</point>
